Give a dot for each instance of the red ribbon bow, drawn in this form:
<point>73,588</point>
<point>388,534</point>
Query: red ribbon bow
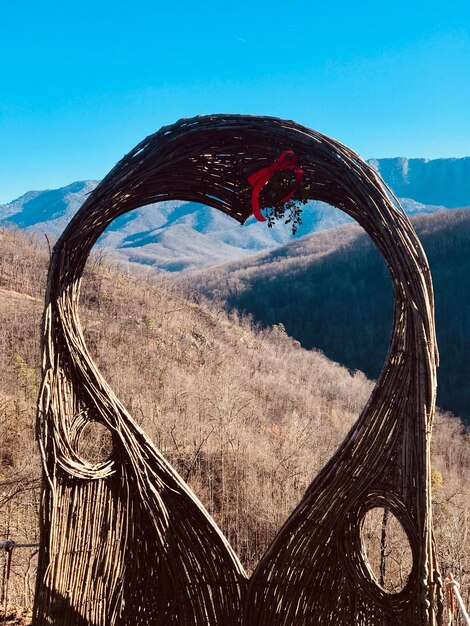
<point>286,161</point>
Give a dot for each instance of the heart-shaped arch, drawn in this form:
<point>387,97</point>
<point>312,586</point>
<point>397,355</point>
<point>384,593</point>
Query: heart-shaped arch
<point>126,541</point>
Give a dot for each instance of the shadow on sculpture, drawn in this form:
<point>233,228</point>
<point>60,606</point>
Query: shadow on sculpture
<point>60,607</point>
<point>126,539</point>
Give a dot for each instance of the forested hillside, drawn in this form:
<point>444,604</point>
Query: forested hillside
<point>332,292</point>
<point>246,414</point>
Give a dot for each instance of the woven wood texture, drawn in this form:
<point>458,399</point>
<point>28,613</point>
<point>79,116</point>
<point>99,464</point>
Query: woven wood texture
<point>126,541</point>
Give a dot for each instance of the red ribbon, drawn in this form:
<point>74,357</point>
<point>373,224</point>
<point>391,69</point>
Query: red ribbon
<point>286,161</point>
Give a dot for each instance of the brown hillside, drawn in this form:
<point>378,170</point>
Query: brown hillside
<point>332,291</point>
<point>247,415</point>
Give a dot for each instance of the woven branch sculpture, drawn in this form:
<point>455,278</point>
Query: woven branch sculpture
<point>126,542</point>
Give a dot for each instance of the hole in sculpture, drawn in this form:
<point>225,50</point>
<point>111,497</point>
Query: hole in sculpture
<point>386,549</point>
<point>211,427</point>
<point>95,444</point>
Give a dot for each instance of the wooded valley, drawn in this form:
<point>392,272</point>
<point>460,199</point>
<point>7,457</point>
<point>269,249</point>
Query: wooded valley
<point>332,291</point>
<point>245,413</point>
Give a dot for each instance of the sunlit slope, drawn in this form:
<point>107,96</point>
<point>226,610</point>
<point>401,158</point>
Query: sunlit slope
<point>332,292</point>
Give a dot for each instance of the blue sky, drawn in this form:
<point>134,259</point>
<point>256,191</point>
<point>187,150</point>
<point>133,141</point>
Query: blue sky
<point>82,82</point>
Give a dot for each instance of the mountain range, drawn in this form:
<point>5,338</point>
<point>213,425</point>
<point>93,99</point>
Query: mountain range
<point>437,181</point>
<point>174,236</point>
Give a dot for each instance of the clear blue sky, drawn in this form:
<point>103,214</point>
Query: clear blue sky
<point>82,82</point>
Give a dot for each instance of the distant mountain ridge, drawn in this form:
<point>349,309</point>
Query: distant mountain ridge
<point>48,211</point>
<point>430,181</point>
<point>169,236</point>
<point>174,236</point>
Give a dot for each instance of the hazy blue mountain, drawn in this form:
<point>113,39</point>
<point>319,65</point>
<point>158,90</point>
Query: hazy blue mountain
<point>47,211</point>
<point>437,181</point>
<point>170,235</point>
<point>174,236</point>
